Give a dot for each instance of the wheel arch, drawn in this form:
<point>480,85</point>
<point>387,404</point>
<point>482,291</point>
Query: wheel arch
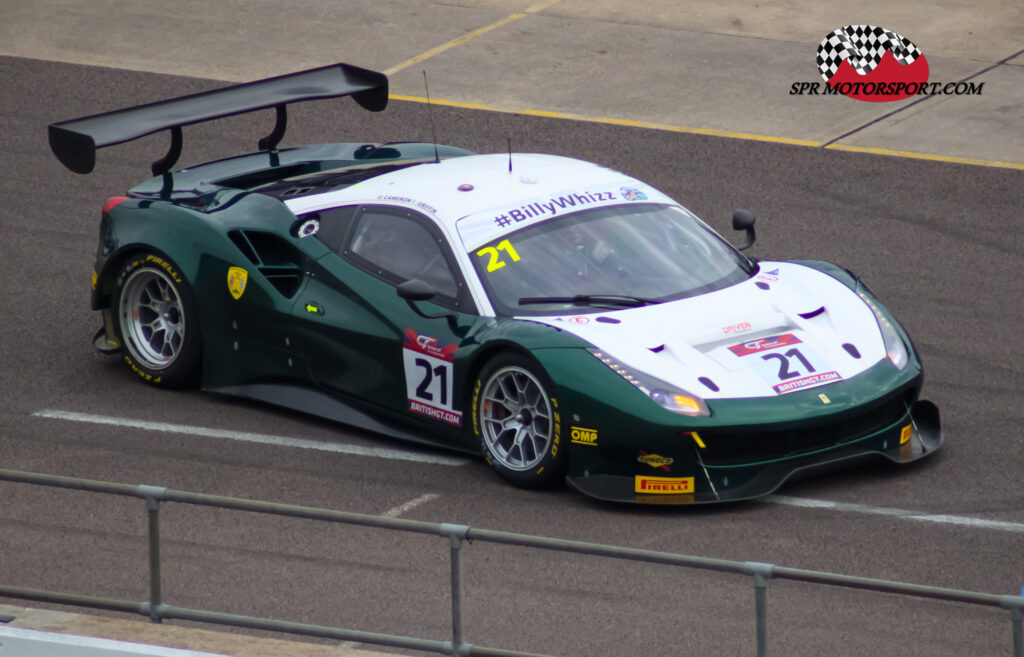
<point>107,278</point>
<point>485,354</point>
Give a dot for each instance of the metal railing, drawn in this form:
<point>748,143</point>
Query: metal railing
<point>457,536</point>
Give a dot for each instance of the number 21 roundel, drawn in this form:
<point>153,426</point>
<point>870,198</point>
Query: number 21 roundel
<point>429,377</point>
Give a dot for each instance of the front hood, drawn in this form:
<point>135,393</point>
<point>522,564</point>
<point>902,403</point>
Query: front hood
<point>788,328</point>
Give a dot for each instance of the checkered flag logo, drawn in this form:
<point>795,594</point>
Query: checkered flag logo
<point>863,46</point>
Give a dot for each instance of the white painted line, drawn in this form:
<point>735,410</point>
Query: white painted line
<point>901,514</point>
<point>16,641</point>
<point>410,505</point>
<point>265,439</point>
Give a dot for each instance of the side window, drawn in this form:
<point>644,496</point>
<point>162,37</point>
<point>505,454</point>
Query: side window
<point>334,224</point>
<point>397,246</point>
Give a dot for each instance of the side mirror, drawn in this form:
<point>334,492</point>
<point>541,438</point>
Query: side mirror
<point>416,290</point>
<point>744,220</point>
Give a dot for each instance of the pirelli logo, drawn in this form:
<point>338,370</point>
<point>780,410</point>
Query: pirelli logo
<point>662,485</point>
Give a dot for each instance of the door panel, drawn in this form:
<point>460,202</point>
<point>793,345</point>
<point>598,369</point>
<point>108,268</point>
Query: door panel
<point>363,342</point>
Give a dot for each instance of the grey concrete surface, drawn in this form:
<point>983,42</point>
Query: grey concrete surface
<point>690,65</point>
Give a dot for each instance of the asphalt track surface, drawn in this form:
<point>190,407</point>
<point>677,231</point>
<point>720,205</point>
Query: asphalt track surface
<point>940,243</point>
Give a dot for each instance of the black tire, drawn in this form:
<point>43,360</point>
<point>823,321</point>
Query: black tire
<point>155,321</point>
<point>518,423</point>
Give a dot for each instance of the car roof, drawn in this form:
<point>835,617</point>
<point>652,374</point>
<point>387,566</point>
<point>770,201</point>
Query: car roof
<point>462,186</point>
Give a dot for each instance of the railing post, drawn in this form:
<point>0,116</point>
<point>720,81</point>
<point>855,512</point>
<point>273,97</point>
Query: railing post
<point>1017,619</point>
<point>761,572</point>
<point>456,536</point>
<point>152,495</point>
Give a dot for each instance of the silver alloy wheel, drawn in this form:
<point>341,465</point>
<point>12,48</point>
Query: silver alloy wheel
<point>152,319</point>
<point>515,418</point>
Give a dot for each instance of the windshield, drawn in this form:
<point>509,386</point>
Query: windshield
<point>613,257</point>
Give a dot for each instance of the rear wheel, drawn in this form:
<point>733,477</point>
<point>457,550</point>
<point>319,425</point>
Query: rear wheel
<point>155,321</point>
<point>518,423</point>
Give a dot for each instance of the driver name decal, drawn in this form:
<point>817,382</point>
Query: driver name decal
<point>429,377</point>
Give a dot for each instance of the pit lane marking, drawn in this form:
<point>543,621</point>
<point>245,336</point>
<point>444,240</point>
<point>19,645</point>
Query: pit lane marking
<point>458,41</point>
<point>901,514</point>
<point>647,125</point>
<point>27,641</point>
<point>244,436</point>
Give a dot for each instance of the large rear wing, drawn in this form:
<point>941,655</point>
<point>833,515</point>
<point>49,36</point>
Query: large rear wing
<point>75,142</point>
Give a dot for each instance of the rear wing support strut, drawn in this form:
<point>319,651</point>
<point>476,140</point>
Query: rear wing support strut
<point>164,164</point>
<point>271,141</point>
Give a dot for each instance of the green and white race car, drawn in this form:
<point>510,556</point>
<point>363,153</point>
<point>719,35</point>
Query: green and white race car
<point>566,320</point>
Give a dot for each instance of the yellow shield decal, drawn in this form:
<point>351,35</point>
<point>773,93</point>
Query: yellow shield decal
<point>237,278</point>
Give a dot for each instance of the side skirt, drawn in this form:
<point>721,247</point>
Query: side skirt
<point>314,402</point>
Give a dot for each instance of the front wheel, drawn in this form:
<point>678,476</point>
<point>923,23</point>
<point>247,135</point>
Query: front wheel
<point>155,321</point>
<point>518,423</point>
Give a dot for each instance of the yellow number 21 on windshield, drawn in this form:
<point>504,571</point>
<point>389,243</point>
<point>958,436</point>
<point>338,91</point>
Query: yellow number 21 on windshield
<point>493,251</point>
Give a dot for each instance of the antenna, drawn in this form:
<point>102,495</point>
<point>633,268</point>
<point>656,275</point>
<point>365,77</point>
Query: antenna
<point>430,113</point>
<point>509,154</point>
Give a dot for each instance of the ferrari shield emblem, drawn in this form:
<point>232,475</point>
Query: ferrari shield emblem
<point>237,278</point>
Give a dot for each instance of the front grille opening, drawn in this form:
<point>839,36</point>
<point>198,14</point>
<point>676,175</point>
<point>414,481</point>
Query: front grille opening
<point>737,447</point>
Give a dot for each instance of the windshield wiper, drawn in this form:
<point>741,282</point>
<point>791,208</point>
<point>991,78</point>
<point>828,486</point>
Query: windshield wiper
<point>621,300</point>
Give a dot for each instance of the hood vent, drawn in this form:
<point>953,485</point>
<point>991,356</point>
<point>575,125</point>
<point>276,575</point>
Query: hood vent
<point>813,313</point>
<point>709,384</point>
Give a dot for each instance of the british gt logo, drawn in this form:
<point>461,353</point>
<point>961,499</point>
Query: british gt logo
<point>764,344</point>
<point>429,345</point>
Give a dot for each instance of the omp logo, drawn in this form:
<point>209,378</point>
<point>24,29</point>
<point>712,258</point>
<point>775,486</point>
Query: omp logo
<point>662,485</point>
<point>582,436</point>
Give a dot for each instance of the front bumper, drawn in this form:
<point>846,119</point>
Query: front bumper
<point>708,477</point>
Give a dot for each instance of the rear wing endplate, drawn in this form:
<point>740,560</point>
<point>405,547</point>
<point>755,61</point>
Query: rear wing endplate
<point>75,142</point>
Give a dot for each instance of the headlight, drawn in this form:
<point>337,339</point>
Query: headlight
<point>894,347</point>
<point>663,394</point>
